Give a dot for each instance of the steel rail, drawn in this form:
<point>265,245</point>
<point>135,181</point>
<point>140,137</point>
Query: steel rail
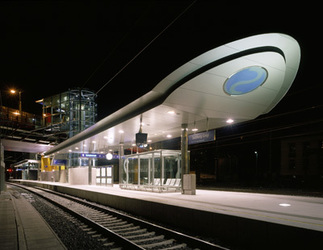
<point>191,241</point>
<point>120,240</point>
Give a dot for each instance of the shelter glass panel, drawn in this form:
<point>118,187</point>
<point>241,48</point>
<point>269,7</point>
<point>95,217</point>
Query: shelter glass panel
<point>153,171</point>
<point>144,171</point>
<point>132,171</point>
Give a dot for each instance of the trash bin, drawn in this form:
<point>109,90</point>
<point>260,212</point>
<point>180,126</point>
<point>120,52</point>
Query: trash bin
<point>189,184</point>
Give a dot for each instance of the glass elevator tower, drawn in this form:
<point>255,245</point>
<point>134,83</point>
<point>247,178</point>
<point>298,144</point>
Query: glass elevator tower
<point>69,112</point>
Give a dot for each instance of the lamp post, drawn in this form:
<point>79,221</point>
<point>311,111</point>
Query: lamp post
<point>257,156</point>
<point>13,91</point>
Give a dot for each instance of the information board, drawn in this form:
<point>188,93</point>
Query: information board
<point>201,137</point>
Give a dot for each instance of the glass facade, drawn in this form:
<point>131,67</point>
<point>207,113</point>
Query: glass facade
<point>70,112</point>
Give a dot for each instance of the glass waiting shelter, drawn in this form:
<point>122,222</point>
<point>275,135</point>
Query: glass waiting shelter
<point>157,171</point>
<point>27,169</point>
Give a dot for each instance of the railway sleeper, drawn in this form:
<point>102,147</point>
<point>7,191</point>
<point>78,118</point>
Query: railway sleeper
<point>179,246</point>
<point>109,225</point>
<point>80,211</point>
<point>137,232</point>
<point>113,223</point>
<point>92,232</point>
<point>158,244</point>
<point>100,216</point>
<point>159,237</point>
<point>98,213</point>
<point>103,217</point>
<point>116,227</point>
<point>130,228</point>
<point>86,229</point>
<point>141,236</point>
<point>108,244</point>
<point>102,239</point>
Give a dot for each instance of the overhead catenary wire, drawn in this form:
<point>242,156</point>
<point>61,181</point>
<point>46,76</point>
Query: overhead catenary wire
<point>144,48</point>
<point>108,56</point>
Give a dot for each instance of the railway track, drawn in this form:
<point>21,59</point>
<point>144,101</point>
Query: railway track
<point>122,230</point>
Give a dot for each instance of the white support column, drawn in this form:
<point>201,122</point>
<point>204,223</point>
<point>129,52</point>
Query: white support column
<point>127,171</point>
<point>149,171</point>
<point>90,172</point>
<point>184,149</point>
<point>153,170</point>
<point>162,162</point>
<point>188,180</point>
<point>121,153</point>
<point>138,170</point>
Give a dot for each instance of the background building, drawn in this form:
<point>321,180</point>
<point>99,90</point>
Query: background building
<point>63,115</point>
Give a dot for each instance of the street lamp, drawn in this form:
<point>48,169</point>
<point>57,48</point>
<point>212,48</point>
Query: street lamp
<point>257,156</point>
<point>13,91</point>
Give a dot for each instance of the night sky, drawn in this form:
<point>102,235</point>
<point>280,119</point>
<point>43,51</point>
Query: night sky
<point>47,47</point>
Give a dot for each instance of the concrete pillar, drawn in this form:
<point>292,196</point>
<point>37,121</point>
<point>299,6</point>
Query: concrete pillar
<point>89,172</point>
<point>121,153</point>
<point>91,164</point>
<point>184,149</point>
<point>188,180</point>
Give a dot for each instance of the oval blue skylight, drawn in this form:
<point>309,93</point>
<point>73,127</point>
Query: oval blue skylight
<point>245,80</point>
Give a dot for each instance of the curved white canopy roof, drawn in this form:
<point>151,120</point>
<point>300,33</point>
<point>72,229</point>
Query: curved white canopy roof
<point>195,94</point>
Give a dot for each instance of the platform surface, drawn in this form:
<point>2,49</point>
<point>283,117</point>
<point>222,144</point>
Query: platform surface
<point>22,227</point>
<point>296,211</point>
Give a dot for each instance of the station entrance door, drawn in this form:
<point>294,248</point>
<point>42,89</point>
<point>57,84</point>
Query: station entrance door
<point>104,175</point>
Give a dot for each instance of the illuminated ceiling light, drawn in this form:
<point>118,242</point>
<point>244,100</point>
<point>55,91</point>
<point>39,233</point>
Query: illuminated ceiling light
<point>109,156</point>
<point>76,148</point>
<point>169,136</point>
<point>12,91</point>
<point>284,205</point>
<point>171,112</point>
<point>93,142</point>
<point>149,141</point>
<point>121,131</point>
<point>70,150</point>
<point>229,121</point>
